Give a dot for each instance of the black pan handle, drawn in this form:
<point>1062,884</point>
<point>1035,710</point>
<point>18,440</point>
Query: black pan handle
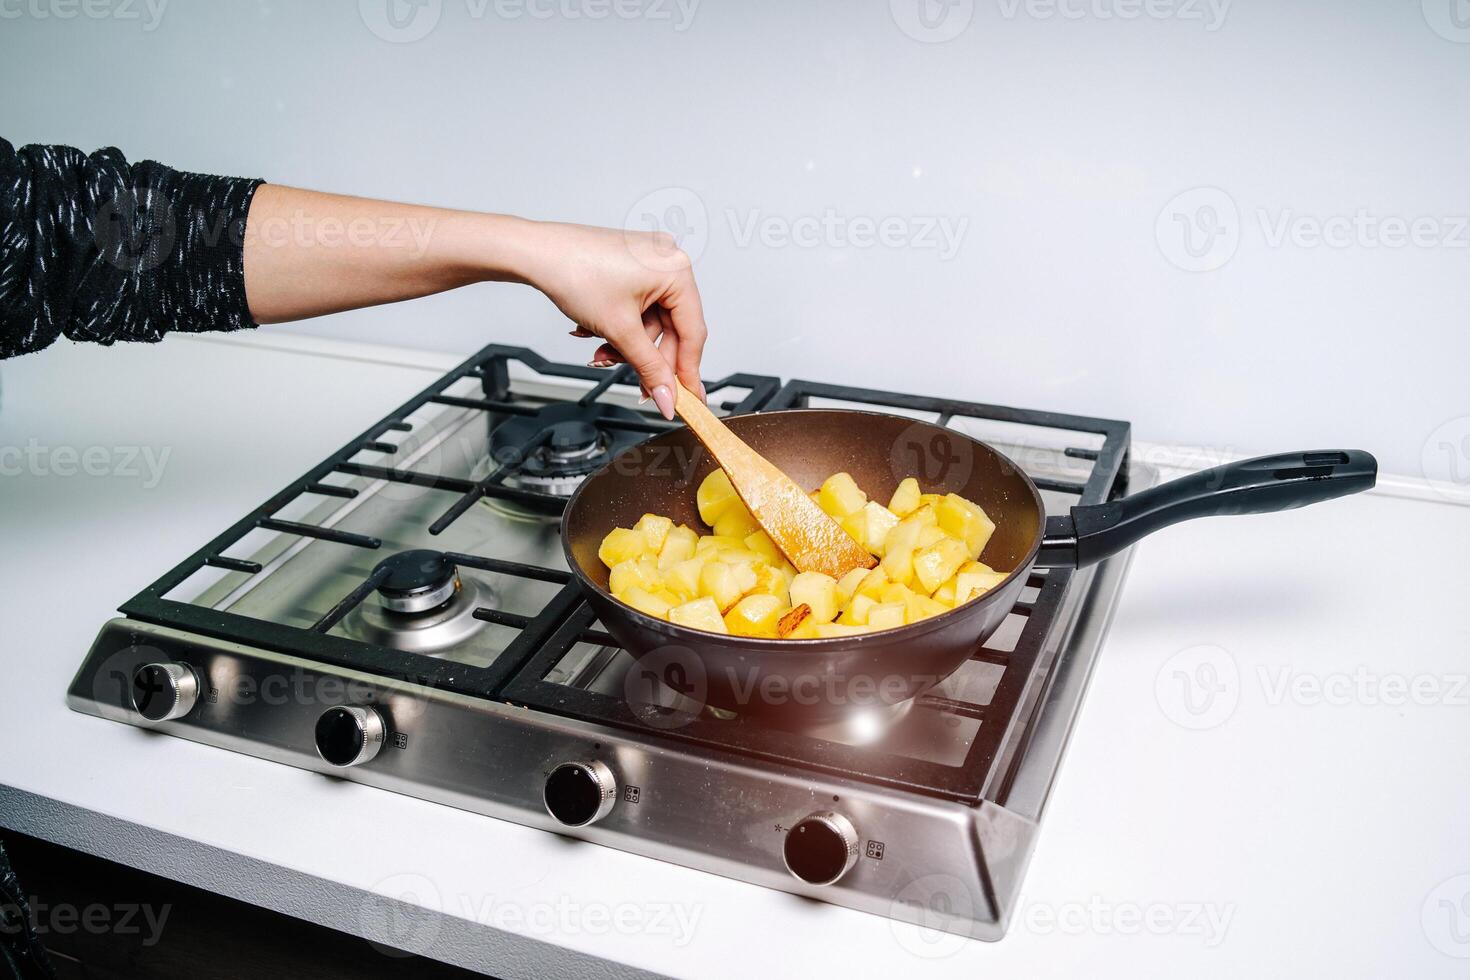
<point>1253,486</point>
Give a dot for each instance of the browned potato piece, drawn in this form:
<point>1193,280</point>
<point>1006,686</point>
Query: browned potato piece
<point>792,621</point>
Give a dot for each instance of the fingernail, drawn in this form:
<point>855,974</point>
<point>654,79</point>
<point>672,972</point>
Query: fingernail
<point>601,364</point>
<point>664,399</point>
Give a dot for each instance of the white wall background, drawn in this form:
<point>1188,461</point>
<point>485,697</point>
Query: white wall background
<point>1053,133</point>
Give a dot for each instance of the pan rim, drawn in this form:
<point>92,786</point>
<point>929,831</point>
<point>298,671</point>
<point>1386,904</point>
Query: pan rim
<point>817,644</point>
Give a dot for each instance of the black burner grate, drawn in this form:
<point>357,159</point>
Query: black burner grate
<point>491,366</point>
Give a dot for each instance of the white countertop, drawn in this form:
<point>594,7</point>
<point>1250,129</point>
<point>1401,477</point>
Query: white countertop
<point>1315,824</point>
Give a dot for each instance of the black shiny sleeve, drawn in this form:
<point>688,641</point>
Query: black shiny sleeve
<point>93,248</point>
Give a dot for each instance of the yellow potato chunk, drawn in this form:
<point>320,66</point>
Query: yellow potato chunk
<point>932,535</point>
<point>620,545</point>
<point>946,593</point>
<point>755,615</point>
<point>895,592</point>
<point>840,496</point>
<point>655,529</point>
<point>936,563</point>
<point>679,545</point>
<point>870,525</point>
<point>905,499</point>
<point>919,606</point>
<point>701,614</point>
<point>738,556</point>
<point>711,543</point>
<point>725,583</point>
<point>966,521</point>
<point>645,601</point>
<point>818,591</point>
<point>886,615</point>
<point>856,613</point>
<point>873,582</point>
<point>898,565</point>
<point>975,579</point>
<point>930,499</point>
<point>682,578</point>
<point>641,573</point>
<point>760,542</point>
<point>736,522</point>
<point>770,581</point>
<point>714,496</point>
<point>847,586</point>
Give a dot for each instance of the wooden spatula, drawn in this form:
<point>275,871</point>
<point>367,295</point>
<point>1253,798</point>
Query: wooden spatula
<point>809,538</point>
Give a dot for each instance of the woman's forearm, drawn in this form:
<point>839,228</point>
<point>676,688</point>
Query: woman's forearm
<point>309,254</point>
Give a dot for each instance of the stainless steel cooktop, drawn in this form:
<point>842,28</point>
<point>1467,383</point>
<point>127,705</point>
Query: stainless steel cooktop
<point>402,616</point>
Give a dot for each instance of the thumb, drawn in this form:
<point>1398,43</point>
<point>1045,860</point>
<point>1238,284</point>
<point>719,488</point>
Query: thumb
<point>654,372</point>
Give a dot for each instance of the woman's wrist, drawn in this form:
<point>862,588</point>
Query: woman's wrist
<point>504,248</point>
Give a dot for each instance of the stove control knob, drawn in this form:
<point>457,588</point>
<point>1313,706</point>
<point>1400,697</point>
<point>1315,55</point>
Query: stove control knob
<point>349,735</point>
<point>163,692</point>
<point>580,793</point>
<point>821,848</point>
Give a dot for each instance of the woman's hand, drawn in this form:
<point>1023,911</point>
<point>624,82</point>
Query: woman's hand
<point>307,254</point>
<point>635,290</point>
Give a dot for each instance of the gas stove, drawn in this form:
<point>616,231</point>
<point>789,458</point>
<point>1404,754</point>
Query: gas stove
<point>402,616</point>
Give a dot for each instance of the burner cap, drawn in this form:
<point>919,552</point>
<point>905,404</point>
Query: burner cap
<point>417,580</point>
<point>576,445</point>
<point>576,436</point>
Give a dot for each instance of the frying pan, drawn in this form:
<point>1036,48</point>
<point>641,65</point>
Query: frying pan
<point>822,679</point>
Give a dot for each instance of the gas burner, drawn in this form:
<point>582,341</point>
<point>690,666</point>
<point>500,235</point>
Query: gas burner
<point>423,606</point>
<point>416,581</point>
<point>576,446</point>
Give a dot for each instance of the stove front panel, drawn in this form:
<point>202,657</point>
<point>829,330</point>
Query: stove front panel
<point>917,859</point>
